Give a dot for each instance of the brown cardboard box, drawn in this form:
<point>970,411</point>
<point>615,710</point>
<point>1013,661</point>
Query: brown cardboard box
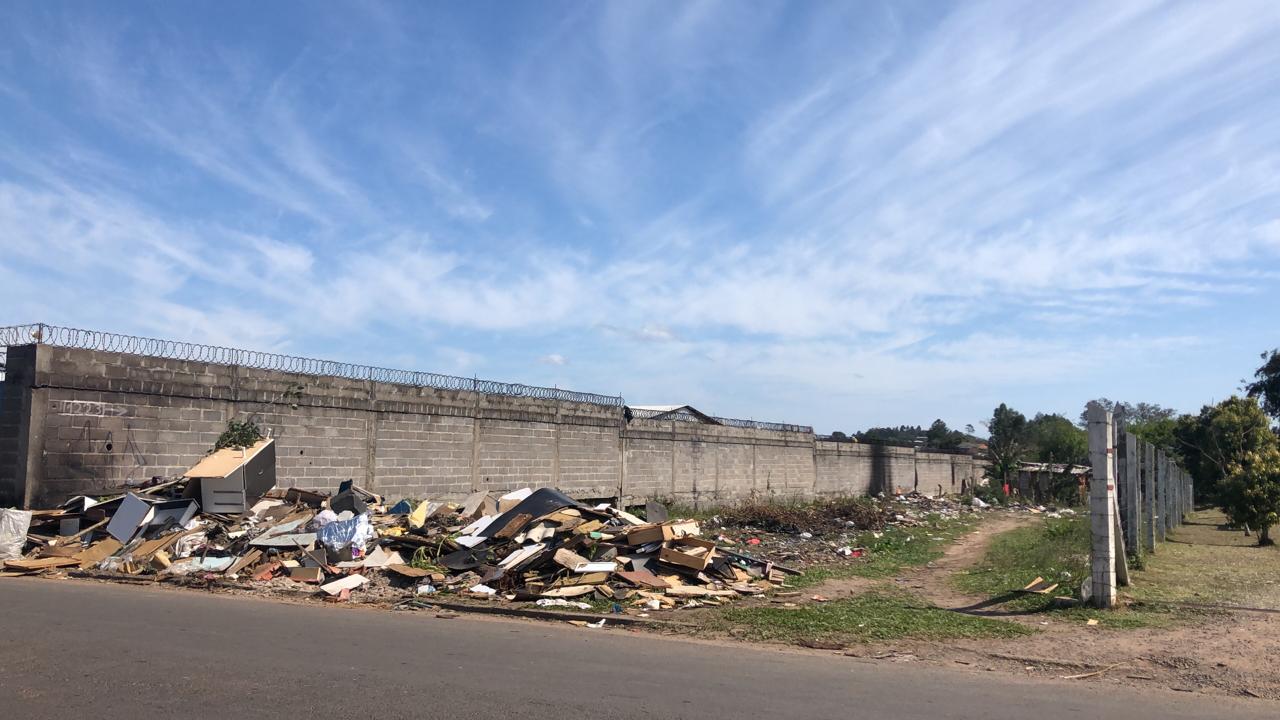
<point>688,552</point>
<point>645,534</point>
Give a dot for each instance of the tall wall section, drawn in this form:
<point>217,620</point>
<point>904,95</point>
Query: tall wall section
<point>101,419</point>
<point>78,421</point>
<point>699,464</point>
<point>854,468</point>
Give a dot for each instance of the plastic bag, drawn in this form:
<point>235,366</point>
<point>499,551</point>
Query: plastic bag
<point>14,525</point>
<point>356,532</point>
<point>324,517</point>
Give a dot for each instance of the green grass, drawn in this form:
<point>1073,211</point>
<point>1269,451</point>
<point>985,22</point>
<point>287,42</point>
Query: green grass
<point>1205,562</point>
<point>896,548</point>
<point>1056,550</point>
<point>868,617</point>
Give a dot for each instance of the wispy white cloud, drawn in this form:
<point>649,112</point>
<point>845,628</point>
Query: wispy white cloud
<point>736,205</point>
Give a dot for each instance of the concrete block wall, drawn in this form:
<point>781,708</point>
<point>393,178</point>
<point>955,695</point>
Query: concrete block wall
<point>838,466</point>
<point>82,421</point>
<point>934,473</point>
<point>112,418</point>
<point>417,451</point>
<point>647,463</point>
<point>704,465</point>
<point>968,472</point>
<point>590,460</point>
<point>15,425</point>
<point>871,469</point>
<point>514,453</point>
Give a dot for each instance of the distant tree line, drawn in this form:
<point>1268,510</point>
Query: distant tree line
<point>937,436</point>
<point>1231,449</point>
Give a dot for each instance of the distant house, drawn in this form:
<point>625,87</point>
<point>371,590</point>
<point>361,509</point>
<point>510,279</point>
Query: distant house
<point>690,414</point>
<point>683,413</point>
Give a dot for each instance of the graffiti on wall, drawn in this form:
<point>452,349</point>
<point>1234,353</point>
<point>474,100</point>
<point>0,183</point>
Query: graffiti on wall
<point>89,408</point>
<point>95,452</point>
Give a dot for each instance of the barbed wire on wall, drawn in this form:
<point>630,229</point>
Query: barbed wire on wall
<point>761,425</point>
<point>175,350</point>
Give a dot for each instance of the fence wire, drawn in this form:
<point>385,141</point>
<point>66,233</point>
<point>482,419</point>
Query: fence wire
<point>175,350</point>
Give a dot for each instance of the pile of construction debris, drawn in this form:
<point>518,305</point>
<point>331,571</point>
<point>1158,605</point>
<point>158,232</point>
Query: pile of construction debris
<point>224,522</point>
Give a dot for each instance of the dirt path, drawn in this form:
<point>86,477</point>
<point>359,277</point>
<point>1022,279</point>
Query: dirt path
<point>932,582</point>
<point>1231,653</point>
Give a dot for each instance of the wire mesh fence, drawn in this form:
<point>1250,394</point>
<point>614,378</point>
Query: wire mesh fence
<point>176,350</point>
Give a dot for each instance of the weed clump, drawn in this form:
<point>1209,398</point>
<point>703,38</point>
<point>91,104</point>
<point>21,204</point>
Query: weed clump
<point>835,515</point>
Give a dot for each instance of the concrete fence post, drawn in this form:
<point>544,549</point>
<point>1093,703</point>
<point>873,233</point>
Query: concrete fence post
<point>1126,492</point>
<point>1120,467</point>
<point>1149,496</point>
<point>1133,492</point>
<point>1184,496</point>
<point>1177,496</point>
<point>1185,506</point>
<point>1165,488</point>
<point>1102,507</point>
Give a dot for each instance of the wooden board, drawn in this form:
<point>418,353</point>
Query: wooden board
<point>222,463</point>
<point>245,561</point>
<point>36,564</point>
<point>98,552</point>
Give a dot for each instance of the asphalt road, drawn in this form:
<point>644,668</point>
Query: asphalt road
<point>86,650</point>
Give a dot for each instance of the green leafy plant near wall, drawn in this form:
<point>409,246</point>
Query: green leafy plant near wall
<point>292,394</point>
<point>239,434</point>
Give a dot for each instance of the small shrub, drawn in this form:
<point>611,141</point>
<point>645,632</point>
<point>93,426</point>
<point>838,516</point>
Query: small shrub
<point>239,435</point>
<point>830,515</point>
<point>992,493</point>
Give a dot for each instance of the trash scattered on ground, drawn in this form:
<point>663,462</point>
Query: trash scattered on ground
<point>526,545</point>
<point>14,525</point>
<point>1039,586</point>
<point>536,546</point>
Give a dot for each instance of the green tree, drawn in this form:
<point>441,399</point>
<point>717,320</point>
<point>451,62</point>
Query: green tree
<point>903,435</point>
<point>1159,432</point>
<point>1054,439</point>
<point>1008,443</point>
<point>1130,414</point>
<point>1251,491</point>
<point>942,437</point>
<point>1266,384</point>
<point>1214,444</point>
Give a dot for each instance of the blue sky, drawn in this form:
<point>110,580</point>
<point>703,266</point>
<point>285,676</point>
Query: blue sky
<point>838,214</point>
